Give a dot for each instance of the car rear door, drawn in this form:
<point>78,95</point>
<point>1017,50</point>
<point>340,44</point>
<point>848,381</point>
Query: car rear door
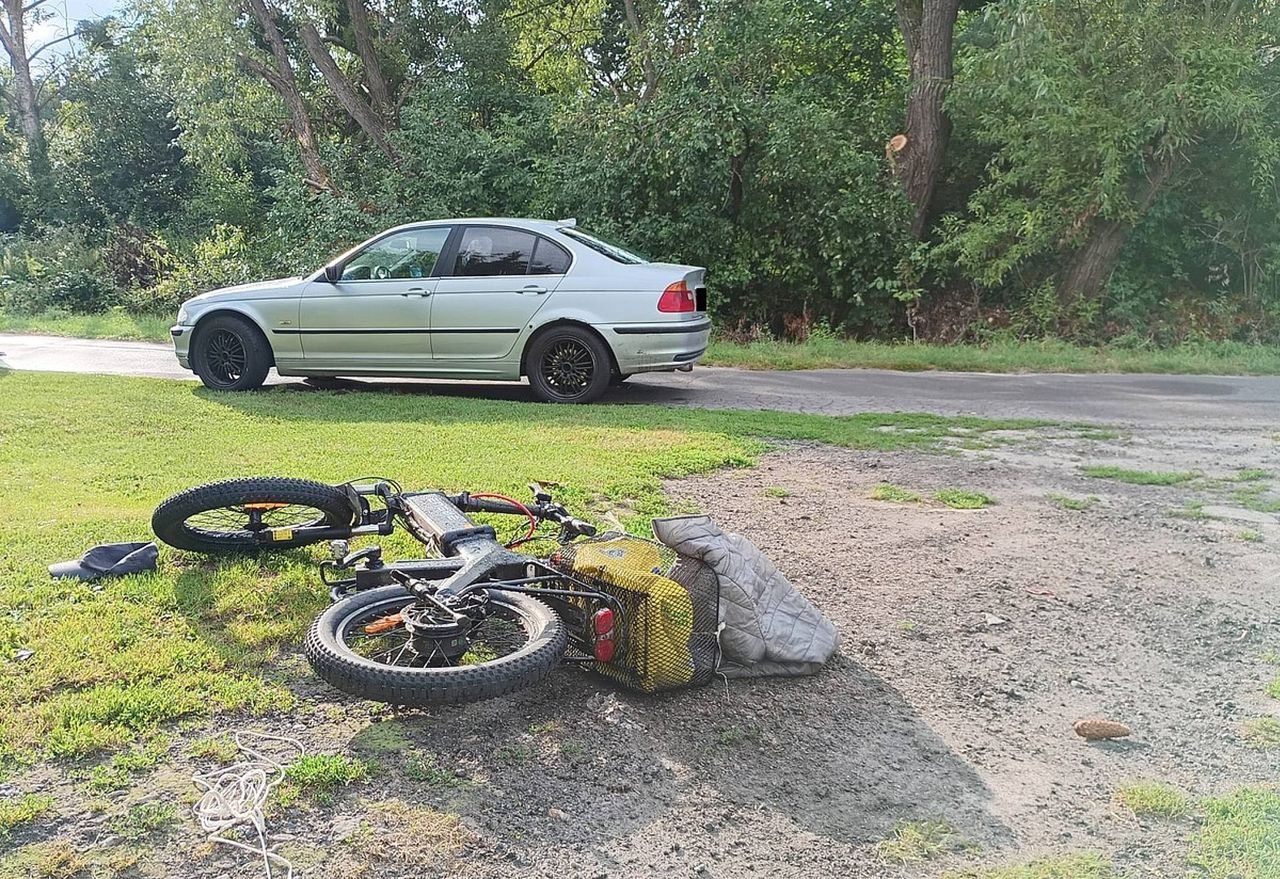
<point>497,279</point>
<point>377,314</point>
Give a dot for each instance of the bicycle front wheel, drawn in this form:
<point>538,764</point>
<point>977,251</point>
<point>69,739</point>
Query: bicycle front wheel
<point>235,514</point>
<point>362,646</point>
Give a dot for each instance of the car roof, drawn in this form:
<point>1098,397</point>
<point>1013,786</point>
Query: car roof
<point>520,222</point>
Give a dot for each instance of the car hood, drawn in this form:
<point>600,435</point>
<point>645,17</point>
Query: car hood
<point>257,290</point>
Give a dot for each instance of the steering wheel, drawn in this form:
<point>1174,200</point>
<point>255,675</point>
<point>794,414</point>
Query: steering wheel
<point>381,272</point>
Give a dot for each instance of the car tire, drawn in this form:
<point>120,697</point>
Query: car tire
<point>230,354</point>
<point>568,364</point>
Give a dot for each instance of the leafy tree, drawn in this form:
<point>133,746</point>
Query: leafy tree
<point>1095,113</point>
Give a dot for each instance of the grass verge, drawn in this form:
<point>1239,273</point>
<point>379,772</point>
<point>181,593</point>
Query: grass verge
<point>1086,865</point>
<point>114,324</point>
<point>1138,477</point>
<point>1217,358</point>
<point>85,669</point>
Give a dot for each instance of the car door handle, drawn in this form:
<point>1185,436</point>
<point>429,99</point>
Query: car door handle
<point>416,291</point>
<point>534,289</point>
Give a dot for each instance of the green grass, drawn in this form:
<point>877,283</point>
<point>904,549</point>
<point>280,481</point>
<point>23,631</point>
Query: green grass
<point>201,637</point>
<point>1079,504</point>
<point>143,820</point>
<point>1240,835</point>
<point>1262,733</point>
<point>1273,688</point>
<point>1248,535</point>
<point>1251,475</point>
<point>777,491</point>
<point>963,499</point>
<point>220,748</point>
<point>1138,477</point>
<point>887,491</point>
<point>1222,358</point>
<point>114,324</point>
<point>914,842</point>
<point>1086,865</point>
<point>118,772</point>
<point>1254,497</point>
<point>22,810</point>
<point>1153,798</point>
<point>322,774</point>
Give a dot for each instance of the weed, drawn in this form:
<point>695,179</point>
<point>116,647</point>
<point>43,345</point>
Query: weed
<point>913,842</point>
<point>732,736</point>
<point>1085,865</point>
<point>1262,733</point>
<point>514,753</point>
<point>1273,688</point>
<point>25,808</point>
<point>908,626</point>
<point>777,491</point>
<point>1240,835</point>
<point>1138,477</point>
<point>1253,497</point>
<point>963,499</point>
<point>143,820</point>
<point>886,491</point>
<point>545,728</point>
<point>220,748</point>
<point>426,769</point>
<point>1078,504</point>
<point>1251,475</point>
<point>1248,535</point>
<point>117,773</point>
<point>320,775</point>
<point>1152,798</point>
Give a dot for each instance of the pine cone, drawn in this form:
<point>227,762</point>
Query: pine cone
<point>1095,729</point>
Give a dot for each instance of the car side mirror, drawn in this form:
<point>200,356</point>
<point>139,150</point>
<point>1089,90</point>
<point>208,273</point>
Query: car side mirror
<point>331,273</point>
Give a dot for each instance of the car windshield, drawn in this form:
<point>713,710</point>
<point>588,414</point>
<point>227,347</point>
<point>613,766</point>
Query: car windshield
<point>615,252</point>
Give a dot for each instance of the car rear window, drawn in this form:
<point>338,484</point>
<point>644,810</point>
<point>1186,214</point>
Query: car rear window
<point>615,252</point>
<point>549,258</point>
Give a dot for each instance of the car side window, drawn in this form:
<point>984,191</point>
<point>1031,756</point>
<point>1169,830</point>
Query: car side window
<point>489,250</point>
<point>404,255</point>
<point>549,258</point>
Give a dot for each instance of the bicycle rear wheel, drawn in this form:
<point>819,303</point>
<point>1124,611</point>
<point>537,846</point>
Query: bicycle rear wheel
<point>361,646</point>
<point>229,516</point>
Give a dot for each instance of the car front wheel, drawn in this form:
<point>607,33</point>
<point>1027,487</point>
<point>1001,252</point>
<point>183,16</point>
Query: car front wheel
<point>568,365</point>
<point>230,354</point>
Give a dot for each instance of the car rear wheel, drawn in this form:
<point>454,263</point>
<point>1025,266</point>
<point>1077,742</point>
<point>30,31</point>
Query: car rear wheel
<point>230,354</point>
<point>568,365</point>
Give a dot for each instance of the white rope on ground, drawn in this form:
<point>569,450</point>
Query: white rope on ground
<point>237,794</point>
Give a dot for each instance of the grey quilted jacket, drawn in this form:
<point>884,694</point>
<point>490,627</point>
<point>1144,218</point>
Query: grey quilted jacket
<point>767,627</point>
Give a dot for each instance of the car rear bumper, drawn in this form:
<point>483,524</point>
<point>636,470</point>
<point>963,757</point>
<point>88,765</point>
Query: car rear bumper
<point>654,347</point>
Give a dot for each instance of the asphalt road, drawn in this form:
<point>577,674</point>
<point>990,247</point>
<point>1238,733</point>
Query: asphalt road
<point>1146,400</point>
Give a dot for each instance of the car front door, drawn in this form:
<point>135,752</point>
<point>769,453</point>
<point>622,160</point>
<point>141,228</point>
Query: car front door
<point>497,280</point>
<point>377,313</point>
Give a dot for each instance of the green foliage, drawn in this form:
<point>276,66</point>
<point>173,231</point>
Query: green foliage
<point>914,842</point>
<point>1151,118</point>
<point>143,820</point>
<point>886,491</point>
<point>1137,477</point>
<point>60,271</point>
<point>22,810</point>
<point>963,499</point>
<point>1085,865</point>
<point>1153,798</point>
<point>325,773</point>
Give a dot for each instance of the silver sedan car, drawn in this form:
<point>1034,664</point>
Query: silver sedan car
<point>491,299</point>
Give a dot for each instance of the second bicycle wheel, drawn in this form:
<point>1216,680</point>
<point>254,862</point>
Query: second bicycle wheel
<point>232,515</point>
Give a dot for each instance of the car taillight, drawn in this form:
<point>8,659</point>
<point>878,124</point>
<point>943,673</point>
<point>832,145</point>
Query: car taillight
<point>602,632</point>
<point>677,298</point>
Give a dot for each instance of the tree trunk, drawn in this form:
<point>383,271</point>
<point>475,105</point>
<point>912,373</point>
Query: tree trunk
<point>285,84</point>
<point>14,38</point>
<point>345,92</point>
<point>928,27</point>
<point>1092,265</point>
<point>379,95</point>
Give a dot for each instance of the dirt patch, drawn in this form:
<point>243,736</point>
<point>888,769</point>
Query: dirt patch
<point>972,639</point>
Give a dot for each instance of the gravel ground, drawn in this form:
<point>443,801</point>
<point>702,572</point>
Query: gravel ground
<point>971,642</point>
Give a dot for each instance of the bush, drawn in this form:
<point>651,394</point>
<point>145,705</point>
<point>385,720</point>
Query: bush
<point>222,259</point>
<point>55,272</point>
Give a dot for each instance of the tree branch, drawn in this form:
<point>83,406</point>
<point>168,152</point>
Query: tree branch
<point>63,39</point>
<point>347,96</point>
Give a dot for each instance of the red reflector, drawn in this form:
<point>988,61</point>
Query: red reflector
<point>604,650</point>
<point>602,628</point>
<point>602,622</point>
<point>676,298</point>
